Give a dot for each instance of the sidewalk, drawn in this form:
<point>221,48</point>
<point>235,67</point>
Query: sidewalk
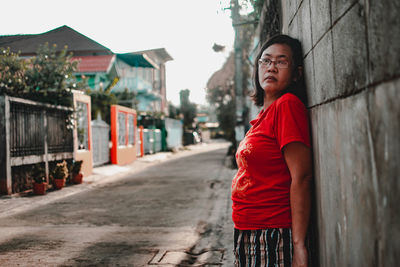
<point>10,205</point>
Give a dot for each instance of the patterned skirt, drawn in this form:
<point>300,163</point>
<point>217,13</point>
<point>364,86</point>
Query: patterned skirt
<point>263,248</point>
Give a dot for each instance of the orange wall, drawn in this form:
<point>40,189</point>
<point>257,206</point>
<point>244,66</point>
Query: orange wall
<point>125,154</point>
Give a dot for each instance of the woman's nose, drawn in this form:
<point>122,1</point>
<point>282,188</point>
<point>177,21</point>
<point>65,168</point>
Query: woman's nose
<point>271,67</point>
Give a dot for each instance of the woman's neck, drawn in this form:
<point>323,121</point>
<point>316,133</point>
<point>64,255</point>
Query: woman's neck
<point>270,98</point>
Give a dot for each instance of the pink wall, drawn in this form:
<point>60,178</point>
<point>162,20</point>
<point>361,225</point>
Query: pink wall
<point>84,154</point>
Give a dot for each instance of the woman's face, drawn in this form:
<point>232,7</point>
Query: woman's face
<point>275,69</point>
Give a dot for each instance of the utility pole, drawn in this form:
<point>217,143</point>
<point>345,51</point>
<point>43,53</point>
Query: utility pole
<point>239,125</point>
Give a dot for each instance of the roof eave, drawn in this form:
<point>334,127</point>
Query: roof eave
<point>133,60</point>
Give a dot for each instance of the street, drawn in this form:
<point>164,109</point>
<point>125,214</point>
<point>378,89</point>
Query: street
<point>170,213</point>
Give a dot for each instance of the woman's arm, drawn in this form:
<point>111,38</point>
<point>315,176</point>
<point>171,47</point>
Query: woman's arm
<point>299,162</point>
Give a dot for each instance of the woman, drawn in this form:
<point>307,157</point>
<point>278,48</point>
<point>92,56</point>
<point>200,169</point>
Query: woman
<point>271,190</point>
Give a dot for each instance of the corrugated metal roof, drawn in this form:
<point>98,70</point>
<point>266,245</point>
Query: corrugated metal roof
<point>160,53</point>
<point>94,63</point>
<point>77,43</point>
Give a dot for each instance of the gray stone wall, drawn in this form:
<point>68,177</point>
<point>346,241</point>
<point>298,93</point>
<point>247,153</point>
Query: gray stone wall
<point>352,71</point>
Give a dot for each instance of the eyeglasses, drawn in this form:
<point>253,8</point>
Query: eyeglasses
<point>280,64</point>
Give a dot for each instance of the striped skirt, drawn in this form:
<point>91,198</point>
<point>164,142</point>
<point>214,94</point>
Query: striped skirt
<point>263,248</point>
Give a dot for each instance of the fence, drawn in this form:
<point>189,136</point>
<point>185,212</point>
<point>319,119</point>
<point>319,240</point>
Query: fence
<point>152,141</point>
<point>31,132</point>
<point>174,132</point>
<point>157,136</point>
<point>100,135</point>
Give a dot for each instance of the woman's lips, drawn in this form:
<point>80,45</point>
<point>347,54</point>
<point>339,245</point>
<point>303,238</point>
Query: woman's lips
<point>271,79</point>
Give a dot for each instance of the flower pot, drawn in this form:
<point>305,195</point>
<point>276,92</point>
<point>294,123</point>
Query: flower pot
<point>77,178</point>
<point>39,189</point>
<point>59,183</point>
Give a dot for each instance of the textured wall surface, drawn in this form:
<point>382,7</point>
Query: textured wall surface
<point>352,69</point>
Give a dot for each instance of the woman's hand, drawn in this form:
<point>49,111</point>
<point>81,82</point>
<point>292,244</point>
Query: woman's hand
<point>300,256</point>
<point>298,159</point>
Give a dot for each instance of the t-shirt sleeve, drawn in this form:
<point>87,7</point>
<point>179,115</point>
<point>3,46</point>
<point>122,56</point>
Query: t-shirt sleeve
<point>291,123</point>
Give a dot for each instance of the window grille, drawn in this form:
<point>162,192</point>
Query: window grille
<point>121,129</point>
<point>131,129</point>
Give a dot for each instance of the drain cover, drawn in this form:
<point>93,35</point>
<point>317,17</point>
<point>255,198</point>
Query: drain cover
<point>209,257</point>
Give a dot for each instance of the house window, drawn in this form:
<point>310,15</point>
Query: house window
<point>157,80</point>
<point>82,121</point>
<point>149,75</point>
<point>140,72</point>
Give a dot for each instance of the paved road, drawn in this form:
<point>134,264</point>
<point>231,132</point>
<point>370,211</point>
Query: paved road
<point>172,213</point>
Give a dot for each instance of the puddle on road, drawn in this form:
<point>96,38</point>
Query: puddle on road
<point>185,258</point>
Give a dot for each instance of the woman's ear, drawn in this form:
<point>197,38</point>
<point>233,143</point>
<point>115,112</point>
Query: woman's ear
<point>298,74</point>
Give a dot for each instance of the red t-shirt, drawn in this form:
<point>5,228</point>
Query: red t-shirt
<point>261,187</point>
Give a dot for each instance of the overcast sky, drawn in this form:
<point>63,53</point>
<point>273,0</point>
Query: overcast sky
<point>187,29</point>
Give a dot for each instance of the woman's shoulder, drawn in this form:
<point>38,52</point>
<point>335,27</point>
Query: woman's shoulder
<point>289,97</point>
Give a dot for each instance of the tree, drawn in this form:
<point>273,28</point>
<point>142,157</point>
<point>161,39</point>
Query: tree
<point>188,109</point>
<point>221,94</point>
<point>173,112</point>
<point>51,70</point>
<point>101,101</point>
<point>254,5</point>
<point>127,99</point>
<point>12,74</point>
<point>47,77</point>
<point>221,88</point>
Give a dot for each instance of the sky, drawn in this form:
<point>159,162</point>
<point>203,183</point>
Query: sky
<point>187,29</point>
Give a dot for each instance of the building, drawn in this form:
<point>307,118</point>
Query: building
<point>79,44</point>
<point>160,57</point>
<point>142,73</point>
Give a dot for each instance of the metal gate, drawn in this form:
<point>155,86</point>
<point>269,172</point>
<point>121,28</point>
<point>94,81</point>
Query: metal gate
<point>100,136</point>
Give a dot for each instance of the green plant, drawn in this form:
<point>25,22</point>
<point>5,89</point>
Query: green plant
<point>101,101</point>
<point>127,99</point>
<point>60,171</point>
<point>12,73</point>
<point>76,167</point>
<point>38,174</point>
<point>173,111</point>
<point>47,77</point>
<point>188,109</point>
<point>50,75</point>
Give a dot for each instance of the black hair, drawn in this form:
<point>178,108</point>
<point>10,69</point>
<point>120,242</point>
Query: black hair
<point>297,87</point>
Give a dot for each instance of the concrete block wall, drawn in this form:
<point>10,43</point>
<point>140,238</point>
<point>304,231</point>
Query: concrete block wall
<point>352,71</point>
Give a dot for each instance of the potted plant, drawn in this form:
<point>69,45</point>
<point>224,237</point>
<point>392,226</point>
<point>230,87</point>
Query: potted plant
<point>39,180</point>
<point>59,174</point>
<point>77,175</point>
